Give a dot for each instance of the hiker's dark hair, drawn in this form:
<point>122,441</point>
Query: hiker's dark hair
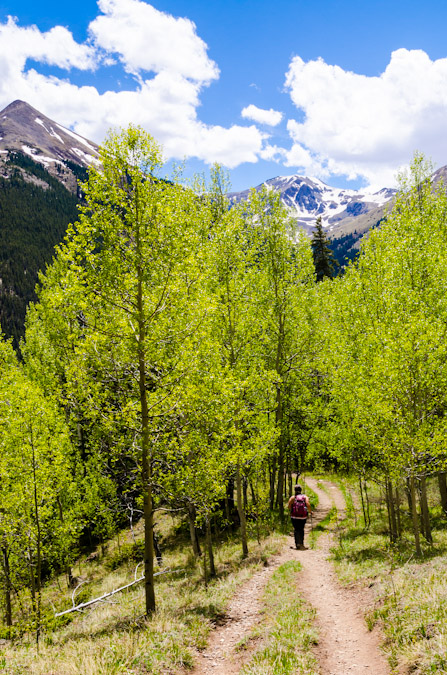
<point>298,488</point>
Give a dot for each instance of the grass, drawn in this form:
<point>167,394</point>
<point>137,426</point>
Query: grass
<point>326,523</point>
<point>410,603</point>
<point>115,637</point>
<point>286,631</point>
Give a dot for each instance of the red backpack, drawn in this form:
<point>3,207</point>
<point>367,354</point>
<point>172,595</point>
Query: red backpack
<point>299,508</point>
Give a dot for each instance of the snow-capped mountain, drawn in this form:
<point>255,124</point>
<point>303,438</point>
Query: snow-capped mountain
<point>24,129</point>
<point>310,198</point>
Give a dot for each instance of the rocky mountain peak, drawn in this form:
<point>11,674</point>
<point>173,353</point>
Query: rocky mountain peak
<point>309,198</point>
<point>26,130</point>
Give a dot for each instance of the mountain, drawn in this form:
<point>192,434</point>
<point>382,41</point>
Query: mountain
<point>40,162</point>
<point>347,214</point>
<point>60,151</point>
<point>309,198</point>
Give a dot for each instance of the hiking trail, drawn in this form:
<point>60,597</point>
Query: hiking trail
<point>345,646</point>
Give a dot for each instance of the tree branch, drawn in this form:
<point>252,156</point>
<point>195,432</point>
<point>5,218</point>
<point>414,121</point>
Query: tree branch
<point>80,607</point>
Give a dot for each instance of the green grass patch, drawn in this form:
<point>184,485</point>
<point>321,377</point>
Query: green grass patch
<point>324,525</point>
<point>287,630</point>
<point>410,592</point>
<point>115,637</point>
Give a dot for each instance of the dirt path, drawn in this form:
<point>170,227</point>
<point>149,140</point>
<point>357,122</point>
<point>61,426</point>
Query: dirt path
<point>345,645</point>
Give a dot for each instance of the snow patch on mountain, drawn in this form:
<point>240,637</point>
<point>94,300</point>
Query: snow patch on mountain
<point>79,139</point>
<point>309,198</point>
<point>32,152</point>
<point>49,131</point>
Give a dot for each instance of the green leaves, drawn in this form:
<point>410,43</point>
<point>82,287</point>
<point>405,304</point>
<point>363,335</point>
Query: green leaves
<point>389,323</point>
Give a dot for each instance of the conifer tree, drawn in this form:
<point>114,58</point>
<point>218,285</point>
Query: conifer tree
<point>324,261</point>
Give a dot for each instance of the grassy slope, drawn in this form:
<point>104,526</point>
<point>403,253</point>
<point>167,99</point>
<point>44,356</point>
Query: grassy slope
<point>411,593</point>
<point>114,637</point>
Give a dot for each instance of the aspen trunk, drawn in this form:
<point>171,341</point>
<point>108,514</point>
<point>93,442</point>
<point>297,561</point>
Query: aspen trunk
<point>193,531</point>
<point>362,501</point>
<point>280,490</point>
<point>368,512</point>
<point>421,517</point>
<point>38,607</point>
<point>408,493</point>
<point>205,572</point>
<point>227,510</point>
<point>241,512</point>
<point>425,512</point>
<point>391,511</point>
<point>148,512</point>
<point>443,491</point>
<point>278,422</point>
<point>388,511</point>
<point>414,516</point>
<point>146,459</point>
<point>229,502</point>
<point>8,587</point>
<point>209,545</point>
<point>254,499</point>
<point>399,521</point>
<point>272,485</point>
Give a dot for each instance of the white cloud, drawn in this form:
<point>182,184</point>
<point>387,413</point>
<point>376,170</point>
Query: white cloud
<point>56,47</point>
<point>170,66</point>
<point>270,117</point>
<point>149,40</point>
<point>273,153</point>
<point>368,127</point>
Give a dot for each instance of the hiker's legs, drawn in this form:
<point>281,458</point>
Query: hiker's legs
<point>295,523</point>
<point>299,531</point>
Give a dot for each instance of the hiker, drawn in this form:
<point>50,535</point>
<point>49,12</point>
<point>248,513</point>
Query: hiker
<point>299,507</point>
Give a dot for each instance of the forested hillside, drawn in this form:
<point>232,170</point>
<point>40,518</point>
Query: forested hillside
<point>35,209</point>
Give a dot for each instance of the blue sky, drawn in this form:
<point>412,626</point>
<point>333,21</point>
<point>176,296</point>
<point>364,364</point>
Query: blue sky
<point>343,90</point>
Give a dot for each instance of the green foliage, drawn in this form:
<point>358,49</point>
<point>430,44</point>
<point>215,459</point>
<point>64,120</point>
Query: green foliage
<point>39,523</point>
<point>388,382</point>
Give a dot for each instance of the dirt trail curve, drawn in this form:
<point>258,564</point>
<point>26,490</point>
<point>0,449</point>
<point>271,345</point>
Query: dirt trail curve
<point>345,646</point>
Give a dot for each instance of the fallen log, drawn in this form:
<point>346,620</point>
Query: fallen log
<point>83,605</point>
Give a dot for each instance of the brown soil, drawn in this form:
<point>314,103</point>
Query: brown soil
<point>345,646</point>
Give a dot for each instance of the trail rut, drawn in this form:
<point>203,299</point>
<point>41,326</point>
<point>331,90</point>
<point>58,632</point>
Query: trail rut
<point>345,645</point>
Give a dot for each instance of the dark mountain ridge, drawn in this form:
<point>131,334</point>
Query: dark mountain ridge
<point>40,163</point>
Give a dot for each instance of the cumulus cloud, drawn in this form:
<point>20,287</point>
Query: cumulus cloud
<point>169,64</point>
<point>368,127</point>
<point>56,47</point>
<point>270,117</point>
<point>149,40</point>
